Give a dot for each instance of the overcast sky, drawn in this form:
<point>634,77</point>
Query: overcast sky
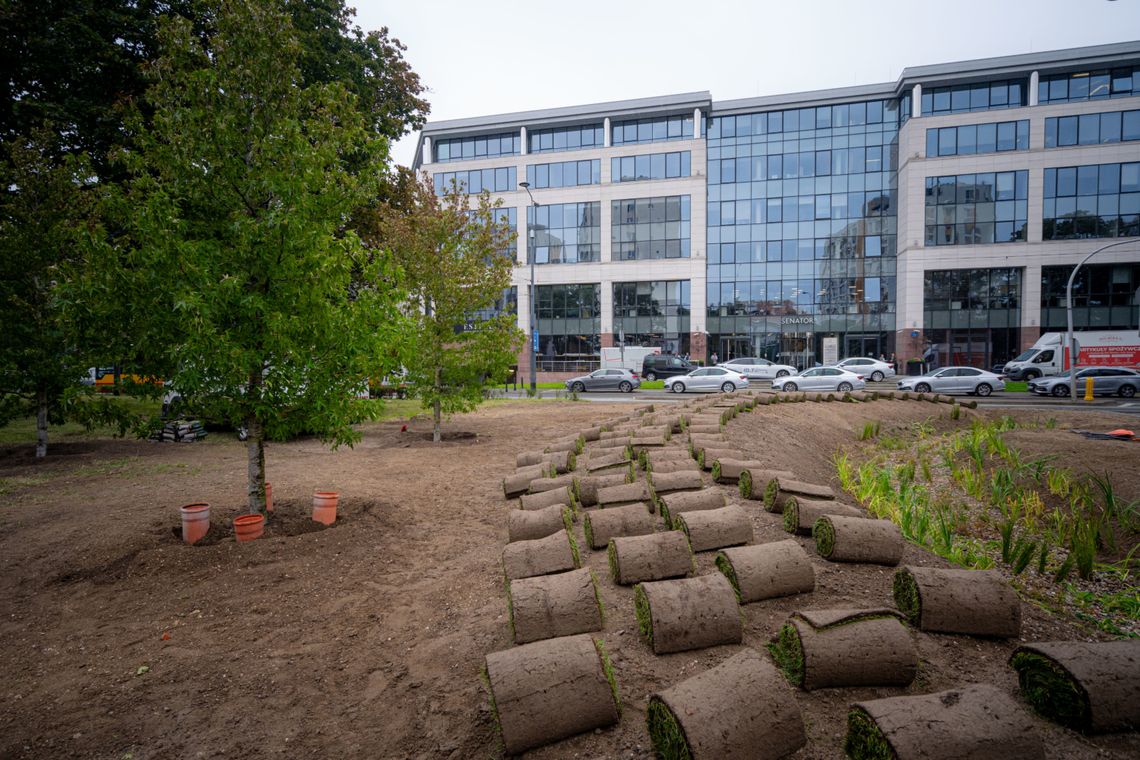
<point>480,57</point>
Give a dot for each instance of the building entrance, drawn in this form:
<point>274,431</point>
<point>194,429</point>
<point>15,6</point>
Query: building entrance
<point>863,345</point>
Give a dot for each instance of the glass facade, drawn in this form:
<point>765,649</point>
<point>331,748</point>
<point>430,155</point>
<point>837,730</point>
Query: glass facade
<point>651,228</point>
<point>564,174</point>
<point>802,232</point>
<point>499,180</point>
<point>1089,85</point>
<point>653,314</point>
<point>651,166</point>
<point>1105,297</point>
<point>509,216</point>
<point>652,130</point>
<point>569,324</point>
<point>977,209</point>
<point>566,138</point>
<point>1092,129</point>
<point>971,139</point>
<point>1096,201</point>
<point>565,233</point>
<point>981,96</point>
<point>484,146</point>
<point>507,302</point>
<point>971,317</point>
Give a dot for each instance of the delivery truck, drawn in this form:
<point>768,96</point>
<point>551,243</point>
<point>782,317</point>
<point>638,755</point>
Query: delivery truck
<point>1050,354</point>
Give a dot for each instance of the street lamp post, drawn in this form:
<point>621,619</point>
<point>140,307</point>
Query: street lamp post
<point>1071,342</point>
<point>533,309</point>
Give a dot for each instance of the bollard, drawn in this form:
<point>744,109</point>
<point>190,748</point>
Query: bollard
<point>1088,389</point>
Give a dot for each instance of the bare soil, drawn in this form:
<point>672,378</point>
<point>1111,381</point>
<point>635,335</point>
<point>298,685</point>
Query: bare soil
<point>365,639</point>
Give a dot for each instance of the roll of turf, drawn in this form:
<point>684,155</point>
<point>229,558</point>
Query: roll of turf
<point>800,515</point>
<point>858,396</point>
<point>612,459</point>
<point>638,442</point>
<point>601,525</point>
<point>613,443</point>
<point>972,602</point>
<point>704,429</point>
<point>779,489</point>
<point>543,499</point>
<point>673,465</point>
<point>765,399</point>
<point>858,539</point>
<point>715,528</point>
<point>730,470</point>
<point>563,461</point>
<point>670,454</point>
<point>555,553</point>
<point>652,557</point>
<point>527,525</point>
<point>626,493</point>
<point>547,606</point>
<point>969,404</point>
<point>752,483</point>
<point>549,484</point>
<point>1092,687</point>
<point>531,458</point>
<point>519,481</point>
<point>705,420</point>
<point>707,455</point>
<point>550,690</point>
<point>767,571</point>
<point>662,483</point>
<point>688,613</point>
<point>586,488</point>
<point>574,444</point>
<point>978,722</point>
<point>590,434</point>
<point>739,710</point>
<point>653,431</point>
<point>943,399</point>
<point>623,431</point>
<point>705,440</point>
<point>821,649</point>
<point>674,504</point>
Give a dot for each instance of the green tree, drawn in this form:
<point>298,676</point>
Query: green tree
<point>457,266</point>
<point>238,262</point>
<point>45,215</point>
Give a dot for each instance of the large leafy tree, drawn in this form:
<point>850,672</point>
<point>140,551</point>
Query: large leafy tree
<point>237,260</point>
<point>457,267</point>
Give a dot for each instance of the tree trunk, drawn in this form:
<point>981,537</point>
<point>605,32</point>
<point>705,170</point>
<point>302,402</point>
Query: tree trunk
<point>41,423</point>
<point>436,412</point>
<point>255,449</point>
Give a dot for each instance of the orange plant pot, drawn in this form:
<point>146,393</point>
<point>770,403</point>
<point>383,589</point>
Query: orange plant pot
<point>195,522</point>
<point>268,496</point>
<point>324,507</point>
<point>249,527</point>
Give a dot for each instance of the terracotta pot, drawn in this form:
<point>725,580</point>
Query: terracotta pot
<point>249,527</point>
<point>268,496</point>
<point>324,506</point>
<point>195,522</point>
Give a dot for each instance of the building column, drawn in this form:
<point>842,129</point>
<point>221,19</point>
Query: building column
<point>916,102</point>
<point>606,141</point>
<point>1030,304</point>
<point>606,303</point>
<point>1034,80</point>
<point>425,159</point>
<point>696,123</point>
<point>522,141</point>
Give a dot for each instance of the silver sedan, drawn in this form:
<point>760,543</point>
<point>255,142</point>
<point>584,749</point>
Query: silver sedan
<point>1107,381</point>
<point>821,379</point>
<point>605,380</point>
<point>707,379</point>
<point>969,380</point>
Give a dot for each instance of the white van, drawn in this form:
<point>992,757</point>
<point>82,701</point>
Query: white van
<point>630,357</point>
<point>1050,356</point>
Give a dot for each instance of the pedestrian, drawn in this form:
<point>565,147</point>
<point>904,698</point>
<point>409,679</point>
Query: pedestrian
<point>714,358</point>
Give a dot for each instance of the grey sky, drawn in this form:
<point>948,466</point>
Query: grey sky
<point>480,57</point>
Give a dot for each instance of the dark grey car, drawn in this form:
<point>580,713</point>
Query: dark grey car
<point>1107,381</point>
<point>605,380</point>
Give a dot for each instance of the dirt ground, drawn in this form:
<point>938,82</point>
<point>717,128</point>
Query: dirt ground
<point>366,639</point>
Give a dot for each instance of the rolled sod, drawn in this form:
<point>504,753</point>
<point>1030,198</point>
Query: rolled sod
<point>779,489</point>
<point>662,483</point>
<point>586,488</point>
<point>613,443</point>
<point>688,613</point>
<point>563,461</point>
<point>549,690</point>
<point>652,557</point>
<point>674,504</point>
<point>858,539</point>
<point>575,444</point>
<point>704,440</point>
<point>688,464</point>
<point>524,525</point>
<point>752,482</point>
<point>531,458</point>
<point>739,710</point>
<point>544,499</point>
<point>715,528</point>
<point>669,454</point>
<point>638,442</point>
<point>590,434</point>
<point>859,396</point>
<point>625,493</point>
<point>979,722</point>
<point>767,571</point>
<point>520,480</point>
<point>618,432</point>
<point>653,431</point>
<point>1092,687</point>
<point>821,649</point>
<point>729,470</point>
<point>547,606</point>
<point>800,514</point>
<point>549,484</point>
<point>704,429</point>
<point>555,553</point>
<point>602,461</point>
<point>603,524</point>
<point>706,456</point>
<point>972,602</point>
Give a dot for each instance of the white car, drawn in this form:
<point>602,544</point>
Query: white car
<point>969,380</point>
<point>758,369</point>
<point>707,379</point>
<point>821,379</point>
<point>872,369</point>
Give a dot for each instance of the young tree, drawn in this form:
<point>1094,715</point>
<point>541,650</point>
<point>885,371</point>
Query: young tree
<point>238,263</point>
<point>457,268</point>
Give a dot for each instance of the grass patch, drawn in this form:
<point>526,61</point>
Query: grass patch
<point>611,553</point>
<point>588,529</point>
<point>665,732</point>
<point>724,564</point>
<point>824,534</point>
<point>598,598</point>
<point>608,669</point>
<point>771,491</point>
<point>568,520</point>
<point>716,470</point>
<point>788,652</point>
<point>1016,385</point>
<point>744,484</point>
<point>574,548</point>
<point>905,592</point>
<point>791,514</point>
<point>864,739</point>
<point>870,430</point>
<point>643,614</point>
<point>1051,691</point>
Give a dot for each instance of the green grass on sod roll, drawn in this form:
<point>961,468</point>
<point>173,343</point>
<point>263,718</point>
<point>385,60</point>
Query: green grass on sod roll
<point>1051,691</point>
<point>574,548</point>
<point>788,652</point>
<point>588,529</point>
<point>824,534</point>
<point>598,598</point>
<point>905,591</point>
<point>791,514</point>
<point>771,491</point>
<point>571,461</point>
<point>643,459</point>
<point>486,679</point>
<point>744,484</point>
<point>665,732</point>
<point>725,566</point>
<point>612,552</point>
<point>608,669</point>
<point>716,471</point>
<point>644,616</point>
<point>864,739</point>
